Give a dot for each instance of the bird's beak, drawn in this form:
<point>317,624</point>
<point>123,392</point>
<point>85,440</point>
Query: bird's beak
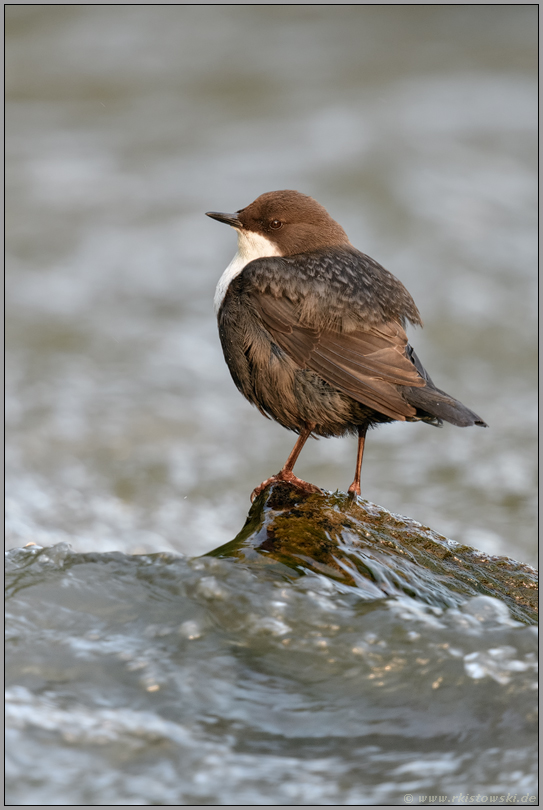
<point>229,219</point>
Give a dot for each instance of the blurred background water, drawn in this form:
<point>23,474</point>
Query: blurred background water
<point>156,680</point>
<point>415,126</point>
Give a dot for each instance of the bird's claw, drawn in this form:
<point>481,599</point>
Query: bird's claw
<point>287,477</point>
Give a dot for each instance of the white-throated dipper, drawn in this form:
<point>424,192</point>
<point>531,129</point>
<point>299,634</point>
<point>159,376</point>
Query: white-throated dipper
<point>313,330</point>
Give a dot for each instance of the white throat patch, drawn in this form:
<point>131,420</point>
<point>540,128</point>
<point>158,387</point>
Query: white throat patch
<point>251,246</point>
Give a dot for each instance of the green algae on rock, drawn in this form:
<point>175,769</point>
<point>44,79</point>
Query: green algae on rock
<point>380,553</point>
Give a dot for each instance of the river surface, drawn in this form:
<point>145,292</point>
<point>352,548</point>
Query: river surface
<point>416,127</point>
<point>154,679</point>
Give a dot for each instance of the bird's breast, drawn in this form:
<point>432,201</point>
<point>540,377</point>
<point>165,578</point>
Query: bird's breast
<point>251,246</point>
<point>234,269</point>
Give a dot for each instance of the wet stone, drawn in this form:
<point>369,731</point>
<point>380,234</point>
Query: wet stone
<point>358,543</point>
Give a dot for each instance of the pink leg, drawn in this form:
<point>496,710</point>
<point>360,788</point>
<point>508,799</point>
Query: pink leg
<point>354,489</point>
<point>286,474</point>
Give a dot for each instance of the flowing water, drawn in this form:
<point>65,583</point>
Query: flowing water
<point>416,127</point>
<point>153,679</point>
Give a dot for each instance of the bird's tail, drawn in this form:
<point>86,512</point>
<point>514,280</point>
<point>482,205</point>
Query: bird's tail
<point>435,405</point>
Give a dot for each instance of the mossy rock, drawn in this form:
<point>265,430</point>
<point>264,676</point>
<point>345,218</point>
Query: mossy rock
<point>379,553</point>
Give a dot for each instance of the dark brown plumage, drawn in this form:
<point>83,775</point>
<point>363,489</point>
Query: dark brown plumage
<point>313,330</point>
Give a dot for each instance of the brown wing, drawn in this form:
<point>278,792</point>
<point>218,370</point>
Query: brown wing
<point>366,364</point>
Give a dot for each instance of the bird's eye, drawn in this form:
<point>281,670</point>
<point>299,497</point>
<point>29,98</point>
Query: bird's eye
<point>276,224</point>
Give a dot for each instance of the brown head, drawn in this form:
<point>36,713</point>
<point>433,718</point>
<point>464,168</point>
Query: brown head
<point>290,221</point>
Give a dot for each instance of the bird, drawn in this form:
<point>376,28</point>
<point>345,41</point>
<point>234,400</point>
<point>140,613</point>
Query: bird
<point>313,331</point>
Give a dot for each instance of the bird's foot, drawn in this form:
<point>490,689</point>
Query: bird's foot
<point>354,490</point>
<point>287,477</point>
